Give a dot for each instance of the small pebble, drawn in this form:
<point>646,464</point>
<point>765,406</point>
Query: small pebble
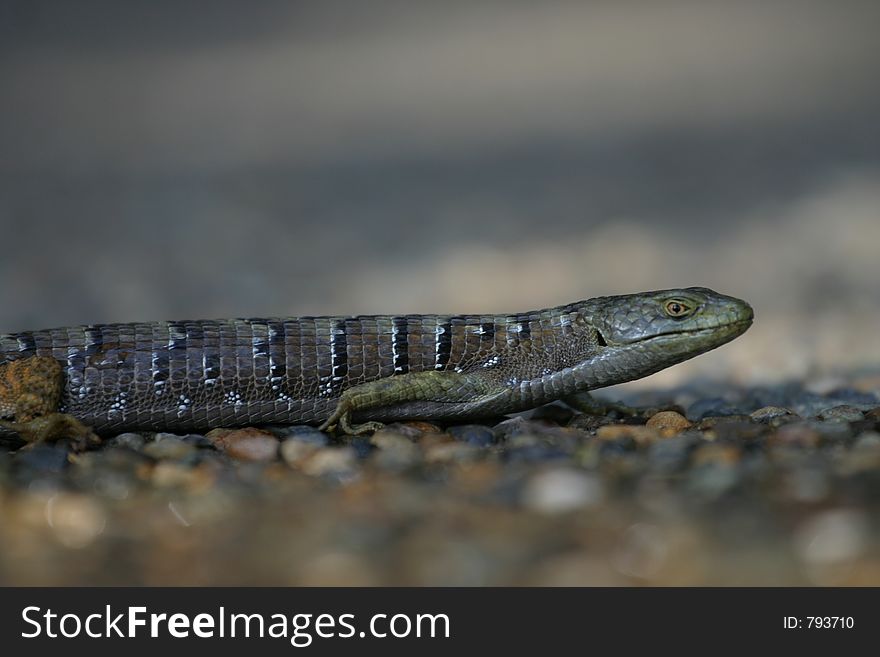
<point>560,490</point>
<point>302,432</point>
<point>769,414</point>
<point>534,454</point>
<point>712,407</point>
<point>168,474</point>
<point>197,440</point>
<point>361,445</point>
<point>473,434</point>
<point>168,446</point>
<point>555,413</point>
<point>395,451</point>
<point>735,428</point>
<point>833,430</point>
<point>42,458</point>
<point>868,440</point>
<point>423,427</point>
<point>832,537</point>
<point>842,412</point>
<point>717,454</point>
<point>294,451</point>
<point>642,435</point>
<point>515,426</point>
<point>411,430</point>
<point>247,444</point>
<point>76,520</point>
<point>332,462</point>
<point>131,440</point>
<point>714,420</point>
<point>800,434</point>
<point>589,423</point>
<point>668,423</point>
<point>673,454</point>
<point>452,452</point>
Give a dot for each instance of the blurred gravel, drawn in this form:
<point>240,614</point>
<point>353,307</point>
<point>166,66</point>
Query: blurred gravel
<point>704,486</point>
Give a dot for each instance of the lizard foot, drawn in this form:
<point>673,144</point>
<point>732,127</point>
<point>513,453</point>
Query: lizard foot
<point>54,426</point>
<point>340,418</point>
<point>436,386</point>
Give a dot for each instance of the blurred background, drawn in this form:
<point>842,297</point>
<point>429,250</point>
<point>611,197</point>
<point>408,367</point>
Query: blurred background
<point>190,160</point>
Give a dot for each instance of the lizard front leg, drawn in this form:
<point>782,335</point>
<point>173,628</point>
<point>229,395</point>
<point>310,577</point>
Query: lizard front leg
<point>30,393</point>
<point>415,386</point>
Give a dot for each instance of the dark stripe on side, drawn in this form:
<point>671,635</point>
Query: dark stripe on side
<point>176,335</point>
<point>526,331</point>
<point>160,365</point>
<point>259,340</point>
<point>211,362</point>
<point>400,345</point>
<point>277,334</point>
<point>339,352</point>
<point>26,343</point>
<point>94,339</point>
<point>277,351</point>
<point>444,344</point>
<point>487,331</point>
<point>195,333</point>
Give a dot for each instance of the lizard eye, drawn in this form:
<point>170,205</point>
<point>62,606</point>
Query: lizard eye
<point>677,308</point>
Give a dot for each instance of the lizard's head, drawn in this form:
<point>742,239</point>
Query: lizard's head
<point>643,333</point>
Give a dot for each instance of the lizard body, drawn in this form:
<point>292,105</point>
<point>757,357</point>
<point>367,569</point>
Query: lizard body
<point>196,375</point>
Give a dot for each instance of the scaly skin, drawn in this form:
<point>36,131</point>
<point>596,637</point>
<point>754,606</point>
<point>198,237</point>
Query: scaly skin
<point>333,370</point>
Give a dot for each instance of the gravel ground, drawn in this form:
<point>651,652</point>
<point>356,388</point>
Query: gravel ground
<point>706,485</point>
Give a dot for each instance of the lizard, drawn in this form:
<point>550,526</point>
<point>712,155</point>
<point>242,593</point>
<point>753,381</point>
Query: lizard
<point>348,373</point>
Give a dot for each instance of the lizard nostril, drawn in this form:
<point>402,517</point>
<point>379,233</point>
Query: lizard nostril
<point>600,339</point>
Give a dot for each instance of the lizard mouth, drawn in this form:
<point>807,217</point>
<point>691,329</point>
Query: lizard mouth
<point>737,327</point>
<point>731,328</point>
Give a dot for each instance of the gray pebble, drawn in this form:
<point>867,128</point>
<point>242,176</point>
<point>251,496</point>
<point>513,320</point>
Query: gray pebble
<point>589,423</point>
<point>395,452</point>
<point>42,458</point>
<point>712,407</point>
<point>301,432</point>
<point>674,453</point>
<point>562,489</point>
<point>197,440</point>
<point>131,440</point>
<point>833,430</point>
<point>168,446</point>
<point>474,434</point>
<point>556,413</point>
<point>338,463</point>
<point>295,451</point>
<point>534,453</point>
<point>870,440</point>
<point>842,412</point>
<point>770,413</point>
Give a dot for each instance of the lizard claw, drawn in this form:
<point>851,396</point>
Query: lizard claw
<point>340,419</point>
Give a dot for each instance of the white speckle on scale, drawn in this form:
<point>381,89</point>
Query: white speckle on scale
<point>394,354</point>
<point>119,403</point>
<point>440,330</point>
